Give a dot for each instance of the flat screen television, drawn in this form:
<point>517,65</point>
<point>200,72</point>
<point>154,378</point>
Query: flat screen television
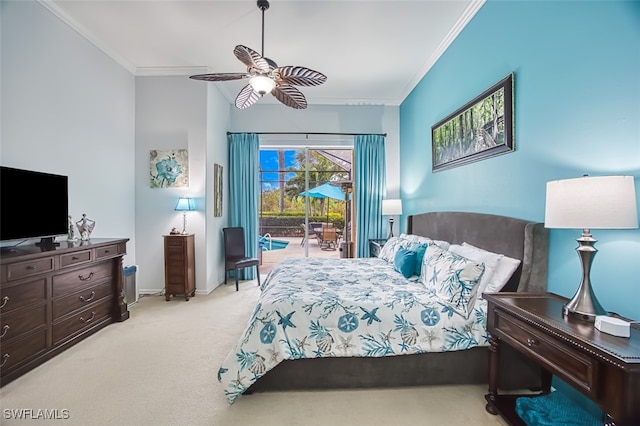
<point>33,205</point>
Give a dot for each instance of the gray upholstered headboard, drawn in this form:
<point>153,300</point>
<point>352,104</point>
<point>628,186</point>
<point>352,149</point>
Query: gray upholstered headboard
<point>516,238</point>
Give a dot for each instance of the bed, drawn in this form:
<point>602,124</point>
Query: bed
<point>317,326</point>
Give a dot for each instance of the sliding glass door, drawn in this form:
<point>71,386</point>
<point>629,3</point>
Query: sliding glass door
<point>304,207</point>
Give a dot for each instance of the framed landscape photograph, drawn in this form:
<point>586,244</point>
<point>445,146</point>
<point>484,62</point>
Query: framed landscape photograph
<point>217,190</point>
<point>480,129</point>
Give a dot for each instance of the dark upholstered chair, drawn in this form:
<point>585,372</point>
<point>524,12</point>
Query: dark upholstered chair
<point>235,257</point>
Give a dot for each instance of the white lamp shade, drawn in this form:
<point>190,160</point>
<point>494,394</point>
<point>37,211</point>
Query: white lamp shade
<point>262,84</point>
<point>592,202</point>
<point>391,207</point>
<point>185,204</point>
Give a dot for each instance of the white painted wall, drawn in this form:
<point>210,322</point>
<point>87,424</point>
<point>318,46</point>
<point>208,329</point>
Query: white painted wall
<point>68,108</point>
<point>171,113</point>
<point>359,119</point>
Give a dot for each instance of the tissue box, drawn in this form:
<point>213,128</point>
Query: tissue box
<point>614,326</point>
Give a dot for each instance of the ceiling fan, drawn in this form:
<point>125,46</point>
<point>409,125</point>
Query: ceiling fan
<point>266,77</point>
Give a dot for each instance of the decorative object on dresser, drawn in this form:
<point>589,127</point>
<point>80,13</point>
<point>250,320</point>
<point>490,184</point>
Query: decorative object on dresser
<point>184,205</point>
<point>85,227</point>
<point>375,245</point>
<point>179,266</point>
<point>391,208</point>
<point>602,202</point>
<point>602,367</point>
<point>52,298</point>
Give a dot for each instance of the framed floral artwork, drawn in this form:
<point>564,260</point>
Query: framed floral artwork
<point>169,168</point>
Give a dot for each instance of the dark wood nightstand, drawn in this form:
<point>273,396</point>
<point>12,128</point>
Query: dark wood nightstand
<point>179,266</point>
<point>375,246</point>
<point>603,367</point>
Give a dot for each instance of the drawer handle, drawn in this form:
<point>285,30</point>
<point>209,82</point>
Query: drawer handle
<point>93,293</point>
<point>88,320</point>
<point>4,301</point>
<point>531,342</point>
<point>31,268</point>
<point>75,258</point>
<point>107,251</point>
<point>4,330</point>
<point>86,278</point>
<point>5,357</point>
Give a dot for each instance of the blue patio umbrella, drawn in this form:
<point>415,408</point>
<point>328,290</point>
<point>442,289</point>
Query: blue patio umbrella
<point>326,190</point>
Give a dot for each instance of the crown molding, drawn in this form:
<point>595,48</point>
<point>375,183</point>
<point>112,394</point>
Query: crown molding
<point>457,28</point>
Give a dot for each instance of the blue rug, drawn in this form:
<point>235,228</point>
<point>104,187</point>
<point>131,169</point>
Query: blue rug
<point>552,410</point>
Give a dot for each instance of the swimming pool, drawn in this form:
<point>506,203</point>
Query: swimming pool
<point>267,244</point>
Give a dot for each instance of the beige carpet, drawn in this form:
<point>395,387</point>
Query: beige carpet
<point>159,368</point>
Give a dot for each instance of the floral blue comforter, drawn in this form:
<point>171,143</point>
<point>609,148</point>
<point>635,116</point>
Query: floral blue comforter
<point>344,308</point>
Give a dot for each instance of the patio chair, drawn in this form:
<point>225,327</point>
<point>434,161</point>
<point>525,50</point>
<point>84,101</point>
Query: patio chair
<point>311,233</point>
<point>235,257</point>
<point>329,238</point>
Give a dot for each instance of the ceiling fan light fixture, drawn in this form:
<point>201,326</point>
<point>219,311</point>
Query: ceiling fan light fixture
<point>262,84</point>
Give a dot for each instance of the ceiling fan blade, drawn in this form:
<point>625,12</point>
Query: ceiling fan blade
<point>300,76</point>
<point>220,76</point>
<point>251,58</point>
<point>290,96</point>
<point>247,97</point>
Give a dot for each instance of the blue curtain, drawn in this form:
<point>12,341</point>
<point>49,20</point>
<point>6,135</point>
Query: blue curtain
<point>369,188</point>
<point>244,155</point>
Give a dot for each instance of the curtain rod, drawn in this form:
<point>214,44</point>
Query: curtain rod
<point>310,133</point>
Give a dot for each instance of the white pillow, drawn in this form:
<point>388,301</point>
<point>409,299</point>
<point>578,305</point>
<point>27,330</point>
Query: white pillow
<point>503,272</point>
<point>421,240</point>
<point>453,279</point>
<point>489,259</point>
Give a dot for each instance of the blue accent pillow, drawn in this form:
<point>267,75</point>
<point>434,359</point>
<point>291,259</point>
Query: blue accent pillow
<point>405,262</point>
<point>419,249</point>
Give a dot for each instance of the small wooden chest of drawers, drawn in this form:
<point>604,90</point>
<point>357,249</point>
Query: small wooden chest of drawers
<point>52,299</point>
<point>179,266</point>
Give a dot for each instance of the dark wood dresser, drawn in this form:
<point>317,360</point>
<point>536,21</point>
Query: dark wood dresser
<point>179,266</point>
<point>51,298</point>
<point>603,367</point>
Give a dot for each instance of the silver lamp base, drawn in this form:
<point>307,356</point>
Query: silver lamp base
<point>390,228</point>
<point>584,305</point>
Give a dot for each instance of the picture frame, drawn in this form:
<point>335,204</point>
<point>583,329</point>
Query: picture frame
<point>168,168</point>
<point>217,190</point>
<point>480,129</point>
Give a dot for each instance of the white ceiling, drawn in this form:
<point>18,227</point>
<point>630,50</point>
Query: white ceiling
<point>373,52</point>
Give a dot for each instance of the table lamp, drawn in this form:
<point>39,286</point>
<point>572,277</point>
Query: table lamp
<point>390,208</point>
<point>185,204</point>
<point>603,202</point>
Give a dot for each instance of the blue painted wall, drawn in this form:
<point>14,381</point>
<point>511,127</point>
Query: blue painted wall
<point>577,110</point>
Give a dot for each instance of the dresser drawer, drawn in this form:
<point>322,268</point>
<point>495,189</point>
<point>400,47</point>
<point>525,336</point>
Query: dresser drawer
<point>29,267</point>
<point>21,350</point>
<point>20,295</point>
<point>555,356</point>
<point>107,251</point>
<point>82,299</point>
<point>81,320</point>
<point>75,258</point>
<point>12,325</point>
<point>71,281</point>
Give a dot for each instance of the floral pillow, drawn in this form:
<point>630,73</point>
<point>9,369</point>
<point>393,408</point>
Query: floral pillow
<point>391,247</point>
<point>452,278</point>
